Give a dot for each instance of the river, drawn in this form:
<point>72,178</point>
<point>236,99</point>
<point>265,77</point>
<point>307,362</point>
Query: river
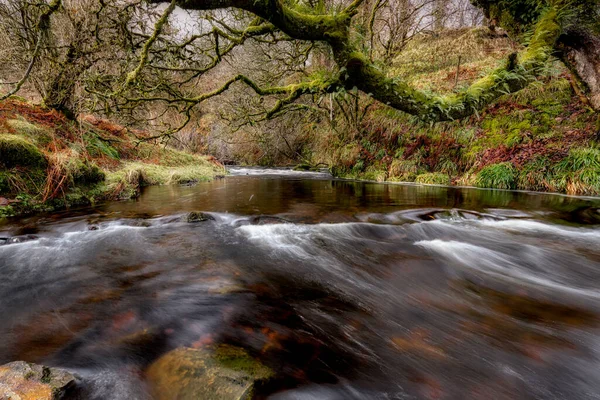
<point>348,290</point>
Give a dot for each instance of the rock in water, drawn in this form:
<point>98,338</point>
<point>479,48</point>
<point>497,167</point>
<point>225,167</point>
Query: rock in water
<point>20,380</point>
<point>196,216</point>
<point>224,373</point>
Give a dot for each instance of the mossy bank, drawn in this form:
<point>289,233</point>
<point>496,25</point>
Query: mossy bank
<point>48,162</point>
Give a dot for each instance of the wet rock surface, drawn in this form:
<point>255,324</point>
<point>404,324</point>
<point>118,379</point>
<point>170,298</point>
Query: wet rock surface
<point>17,239</point>
<point>197,216</point>
<point>221,373</point>
<point>20,380</point>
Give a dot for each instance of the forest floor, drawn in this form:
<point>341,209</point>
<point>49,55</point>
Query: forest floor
<point>48,162</point>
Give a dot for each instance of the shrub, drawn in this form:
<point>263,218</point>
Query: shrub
<point>435,178</point>
<point>497,176</point>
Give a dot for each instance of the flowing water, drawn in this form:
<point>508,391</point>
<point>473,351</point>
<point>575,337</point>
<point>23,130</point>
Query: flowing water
<point>348,290</point>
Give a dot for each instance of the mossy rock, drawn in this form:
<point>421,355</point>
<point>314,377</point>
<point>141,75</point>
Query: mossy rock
<point>16,151</point>
<point>434,178</point>
<point>197,216</point>
<point>86,172</point>
<point>497,176</point>
<point>38,134</point>
<point>221,373</point>
<point>22,380</point>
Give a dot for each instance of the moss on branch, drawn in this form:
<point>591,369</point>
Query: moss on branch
<point>358,71</point>
<point>510,78</point>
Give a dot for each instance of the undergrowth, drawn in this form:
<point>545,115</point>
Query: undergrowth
<point>542,138</point>
<point>48,162</point>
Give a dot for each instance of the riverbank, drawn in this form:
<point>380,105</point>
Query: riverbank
<point>48,162</point>
<point>544,138</point>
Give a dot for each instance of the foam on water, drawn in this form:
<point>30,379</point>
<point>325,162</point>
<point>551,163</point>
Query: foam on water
<point>282,172</point>
<point>503,266</point>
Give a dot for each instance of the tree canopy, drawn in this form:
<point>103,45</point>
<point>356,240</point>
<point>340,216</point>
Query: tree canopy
<point>160,62</point>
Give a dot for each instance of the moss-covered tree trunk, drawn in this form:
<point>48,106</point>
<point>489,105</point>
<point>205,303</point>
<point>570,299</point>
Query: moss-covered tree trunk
<point>581,52</point>
<point>578,45</point>
<point>60,89</point>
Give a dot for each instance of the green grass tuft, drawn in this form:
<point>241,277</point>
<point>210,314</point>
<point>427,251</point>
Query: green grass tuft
<point>535,175</point>
<point>579,172</point>
<point>497,176</point>
<point>39,135</point>
<point>433,178</point>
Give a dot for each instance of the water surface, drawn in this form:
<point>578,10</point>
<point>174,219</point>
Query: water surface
<point>348,290</point>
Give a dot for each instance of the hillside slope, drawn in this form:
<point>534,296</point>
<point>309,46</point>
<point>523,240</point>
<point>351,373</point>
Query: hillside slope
<point>543,138</point>
<point>48,162</point>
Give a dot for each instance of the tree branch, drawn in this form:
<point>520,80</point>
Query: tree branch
<point>358,71</point>
<point>42,27</point>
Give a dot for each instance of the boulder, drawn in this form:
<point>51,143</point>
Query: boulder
<point>221,373</point>
<point>196,216</point>
<point>20,380</point>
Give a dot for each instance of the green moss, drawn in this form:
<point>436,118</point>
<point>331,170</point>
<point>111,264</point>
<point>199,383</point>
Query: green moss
<point>16,151</point>
<point>36,133</point>
<point>434,178</point>
<point>84,172</point>
<point>497,176</point>
<point>238,359</point>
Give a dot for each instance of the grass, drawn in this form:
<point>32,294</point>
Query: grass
<point>127,181</point>
<point>535,175</point>
<point>47,162</point>
<point>497,176</point>
<point>36,133</point>
<point>433,178</point>
<point>579,172</point>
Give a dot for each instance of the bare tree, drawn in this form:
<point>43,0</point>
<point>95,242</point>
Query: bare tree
<point>61,42</point>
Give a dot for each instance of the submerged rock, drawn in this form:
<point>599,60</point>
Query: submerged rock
<point>17,239</point>
<point>20,380</point>
<point>222,373</point>
<point>196,216</point>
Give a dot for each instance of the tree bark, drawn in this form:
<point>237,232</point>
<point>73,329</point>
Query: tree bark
<point>580,50</point>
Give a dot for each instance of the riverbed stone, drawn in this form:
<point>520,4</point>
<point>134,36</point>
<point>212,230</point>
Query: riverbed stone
<point>219,373</point>
<point>20,380</point>
<point>197,216</point>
